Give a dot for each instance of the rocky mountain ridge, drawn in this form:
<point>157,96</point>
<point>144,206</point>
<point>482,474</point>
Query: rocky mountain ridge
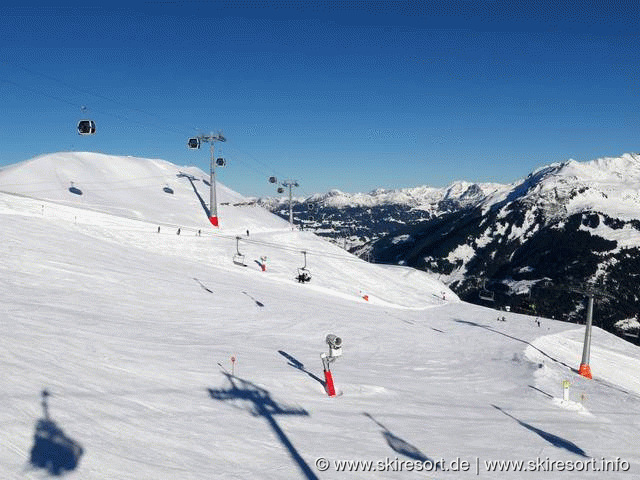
<point>524,246</point>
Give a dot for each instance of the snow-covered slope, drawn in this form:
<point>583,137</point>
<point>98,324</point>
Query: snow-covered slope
<point>146,189</point>
<point>133,188</point>
<point>131,333</point>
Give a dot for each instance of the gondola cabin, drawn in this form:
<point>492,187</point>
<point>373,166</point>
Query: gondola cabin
<point>273,180</point>
<point>193,143</point>
<point>86,127</point>
<point>221,162</point>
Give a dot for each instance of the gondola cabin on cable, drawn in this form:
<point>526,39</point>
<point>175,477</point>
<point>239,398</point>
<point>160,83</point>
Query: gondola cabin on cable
<point>193,143</point>
<point>273,180</point>
<point>280,190</point>
<point>220,162</point>
<point>86,127</point>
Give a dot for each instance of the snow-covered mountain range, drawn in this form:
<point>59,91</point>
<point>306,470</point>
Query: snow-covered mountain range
<point>564,225</point>
<point>358,219</point>
<point>135,344</point>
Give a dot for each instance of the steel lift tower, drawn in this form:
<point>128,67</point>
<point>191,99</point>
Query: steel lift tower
<point>194,144</point>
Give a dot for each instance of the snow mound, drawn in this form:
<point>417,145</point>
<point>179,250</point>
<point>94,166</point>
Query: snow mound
<point>138,188</point>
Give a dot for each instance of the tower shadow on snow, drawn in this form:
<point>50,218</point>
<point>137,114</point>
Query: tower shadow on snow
<point>541,391</point>
<point>487,327</point>
<point>298,365</point>
<point>53,450</point>
<point>554,440</point>
<point>260,404</point>
<point>202,202</point>
<point>257,302</point>
<point>399,445</point>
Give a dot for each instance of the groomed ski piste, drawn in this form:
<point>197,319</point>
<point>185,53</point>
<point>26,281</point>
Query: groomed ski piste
<point>129,351</point>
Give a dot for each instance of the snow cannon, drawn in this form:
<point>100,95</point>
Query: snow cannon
<point>335,345</point>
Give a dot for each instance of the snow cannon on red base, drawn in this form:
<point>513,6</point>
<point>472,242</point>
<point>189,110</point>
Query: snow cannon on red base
<point>335,351</point>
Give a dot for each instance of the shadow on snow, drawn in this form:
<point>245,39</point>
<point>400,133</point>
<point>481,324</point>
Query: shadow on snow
<point>399,445</point>
<point>260,404</point>
<point>202,202</point>
<point>487,327</point>
<point>554,440</point>
<point>298,365</point>
<point>52,449</point>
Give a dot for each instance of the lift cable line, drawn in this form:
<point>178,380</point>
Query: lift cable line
<point>260,168</point>
<point>88,127</point>
<point>118,103</point>
<point>117,116</point>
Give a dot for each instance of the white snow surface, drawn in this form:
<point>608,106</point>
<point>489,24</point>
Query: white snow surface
<point>131,332</point>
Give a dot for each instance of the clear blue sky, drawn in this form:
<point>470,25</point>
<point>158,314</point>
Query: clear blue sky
<point>352,95</point>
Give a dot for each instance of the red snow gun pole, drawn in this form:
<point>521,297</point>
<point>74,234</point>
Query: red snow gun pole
<point>335,350</point>
<point>328,377</point>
